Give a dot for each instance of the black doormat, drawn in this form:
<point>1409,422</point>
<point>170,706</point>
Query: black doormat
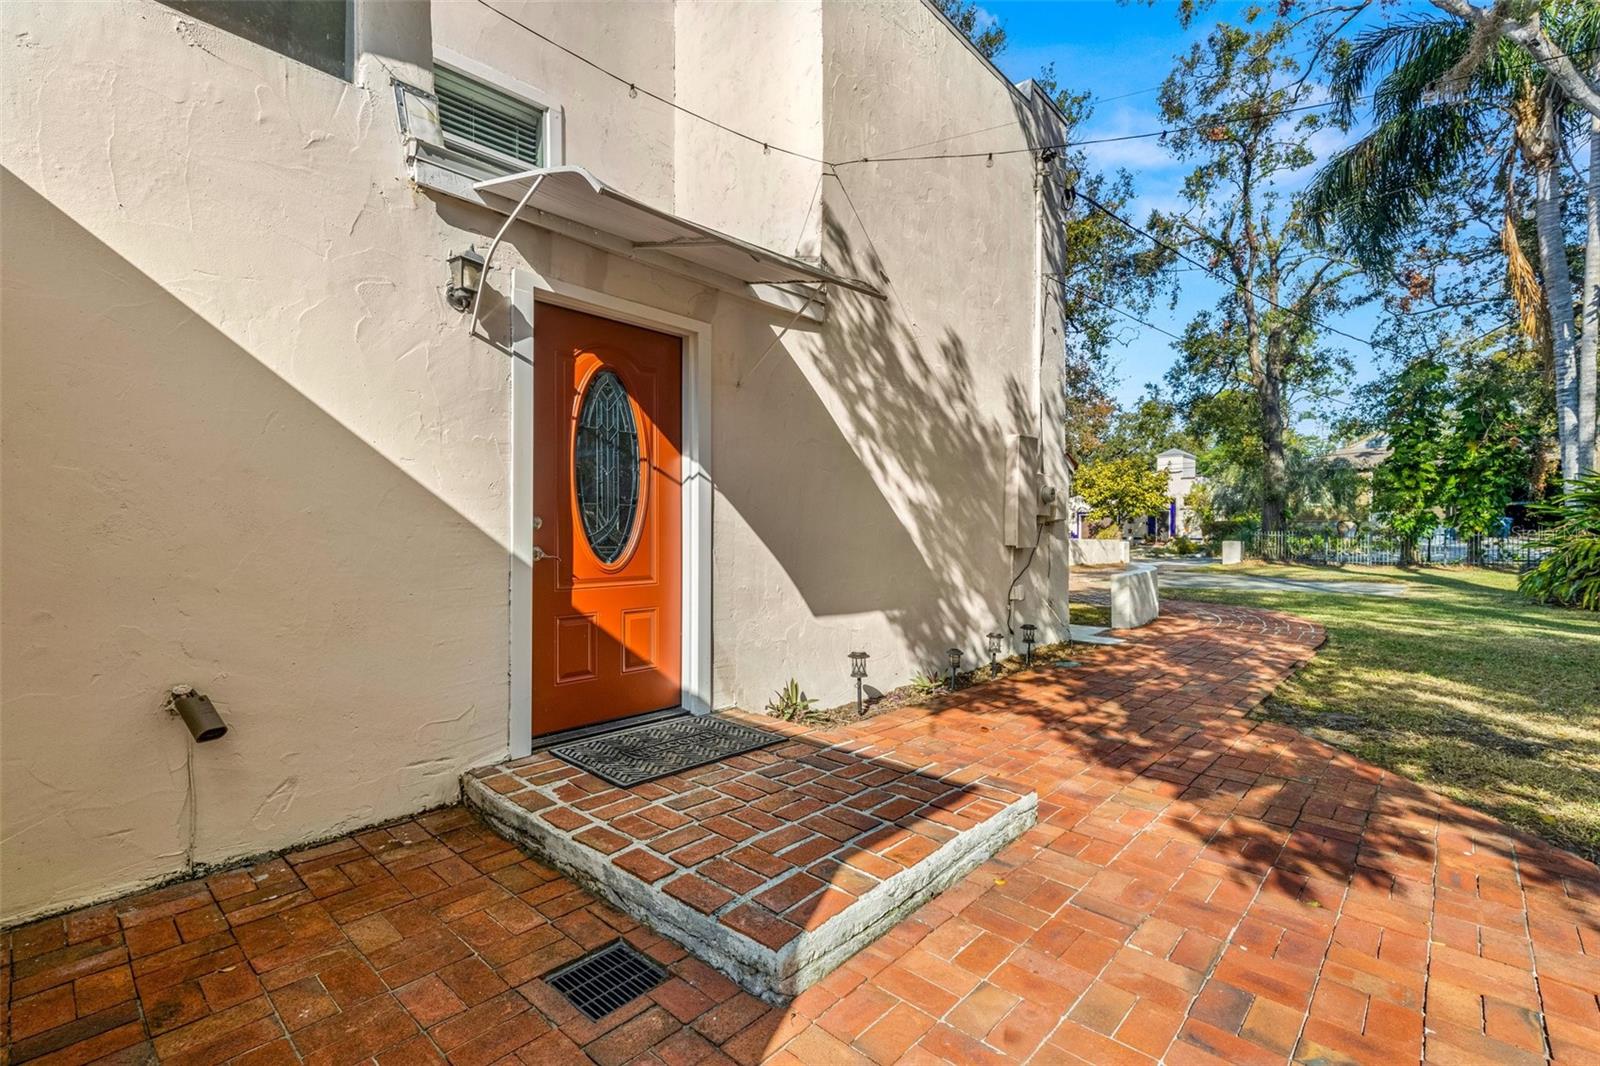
<point>632,756</point>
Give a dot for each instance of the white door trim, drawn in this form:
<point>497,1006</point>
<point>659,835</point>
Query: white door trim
<point>531,288</point>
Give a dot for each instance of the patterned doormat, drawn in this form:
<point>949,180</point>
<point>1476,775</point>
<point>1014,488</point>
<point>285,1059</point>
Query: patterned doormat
<point>632,756</point>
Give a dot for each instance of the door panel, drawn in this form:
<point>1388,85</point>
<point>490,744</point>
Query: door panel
<point>607,609</point>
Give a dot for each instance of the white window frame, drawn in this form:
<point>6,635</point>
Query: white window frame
<point>552,134</point>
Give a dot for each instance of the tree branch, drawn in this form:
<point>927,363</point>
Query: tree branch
<point>1529,33</point>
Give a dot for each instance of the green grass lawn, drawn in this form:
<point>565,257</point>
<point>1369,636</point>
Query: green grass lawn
<point>1460,684</point>
<point>1306,573</point>
<point>1090,614</point>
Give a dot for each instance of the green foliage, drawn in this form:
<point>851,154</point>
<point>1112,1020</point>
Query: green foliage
<point>982,29</point>
<point>1372,192</point>
<point>1108,273</point>
<point>1569,574</point>
<point>1465,443</point>
<point>790,703</point>
<point>1485,458</point>
<point>926,684</point>
<point>1237,104</point>
<point>1121,489</point>
<point>1405,487</point>
<point>1143,430</point>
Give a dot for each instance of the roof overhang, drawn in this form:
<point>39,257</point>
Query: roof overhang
<point>577,196</point>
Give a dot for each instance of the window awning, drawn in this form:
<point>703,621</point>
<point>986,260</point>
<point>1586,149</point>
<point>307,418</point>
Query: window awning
<point>573,194</point>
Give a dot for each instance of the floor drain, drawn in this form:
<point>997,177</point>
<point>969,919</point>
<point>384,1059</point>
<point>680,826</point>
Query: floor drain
<point>604,980</point>
<point>1066,664</point>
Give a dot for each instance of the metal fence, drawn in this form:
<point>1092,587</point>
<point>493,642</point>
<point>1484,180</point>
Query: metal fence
<point>1445,548</point>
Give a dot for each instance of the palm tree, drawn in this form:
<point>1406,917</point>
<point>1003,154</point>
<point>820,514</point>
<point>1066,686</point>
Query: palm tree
<point>1443,96</point>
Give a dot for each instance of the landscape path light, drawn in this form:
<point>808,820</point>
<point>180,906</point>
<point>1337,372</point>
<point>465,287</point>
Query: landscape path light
<point>954,654</point>
<point>858,670</point>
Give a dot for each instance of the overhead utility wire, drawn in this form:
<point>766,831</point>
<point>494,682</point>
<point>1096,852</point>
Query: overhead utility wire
<point>767,146</point>
<point>1232,282</point>
<point>1084,292</point>
<point>1131,136</point>
<point>635,89</point>
<point>1058,145</point>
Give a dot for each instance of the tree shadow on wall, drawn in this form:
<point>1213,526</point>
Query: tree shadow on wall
<point>892,463</point>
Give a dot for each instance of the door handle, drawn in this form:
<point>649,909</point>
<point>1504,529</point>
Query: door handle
<point>539,554</point>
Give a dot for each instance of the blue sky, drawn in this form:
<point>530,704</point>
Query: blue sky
<point>1121,53</point>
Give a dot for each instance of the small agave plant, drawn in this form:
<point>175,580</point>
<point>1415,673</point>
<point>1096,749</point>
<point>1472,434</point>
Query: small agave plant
<point>790,703</point>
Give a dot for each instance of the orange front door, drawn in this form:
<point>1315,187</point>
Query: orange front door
<point>608,499</point>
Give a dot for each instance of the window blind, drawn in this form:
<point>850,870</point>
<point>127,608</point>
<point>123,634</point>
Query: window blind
<point>488,118</point>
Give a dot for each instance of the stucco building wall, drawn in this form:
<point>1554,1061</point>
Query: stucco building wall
<point>248,446</point>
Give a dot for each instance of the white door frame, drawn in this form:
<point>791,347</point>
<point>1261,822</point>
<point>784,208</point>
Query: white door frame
<point>531,288</point>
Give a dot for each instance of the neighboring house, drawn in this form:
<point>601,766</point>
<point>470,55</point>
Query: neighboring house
<point>722,414</point>
<point>1180,519</point>
<point>1079,510</point>
<point>1365,454</point>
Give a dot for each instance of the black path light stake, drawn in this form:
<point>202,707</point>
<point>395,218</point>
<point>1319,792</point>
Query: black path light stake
<point>955,665</point>
<point>994,640</point>
<point>1029,635</point>
<point>858,670</point>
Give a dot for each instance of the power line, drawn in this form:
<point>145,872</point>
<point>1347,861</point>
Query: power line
<point>1236,284</point>
<point>1125,314</point>
<point>635,89</point>
<point>1214,121</point>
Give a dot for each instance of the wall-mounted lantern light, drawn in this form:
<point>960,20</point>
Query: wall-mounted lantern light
<point>1029,635</point>
<point>197,713</point>
<point>466,274</point>
<point>954,655</point>
<point>858,670</point>
<point>994,642</point>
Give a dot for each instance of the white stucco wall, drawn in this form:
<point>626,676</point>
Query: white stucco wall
<point>873,522</point>
<point>247,445</point>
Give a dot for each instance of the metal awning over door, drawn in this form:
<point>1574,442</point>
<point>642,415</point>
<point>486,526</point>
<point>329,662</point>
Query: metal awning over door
<point>576,196</point>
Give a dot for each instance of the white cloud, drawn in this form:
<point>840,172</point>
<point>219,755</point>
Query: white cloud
<point>1137,153</point>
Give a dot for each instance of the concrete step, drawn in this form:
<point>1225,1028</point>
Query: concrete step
<point>774,866</point>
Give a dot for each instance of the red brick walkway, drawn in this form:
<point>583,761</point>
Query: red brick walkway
<point>1200,888</point>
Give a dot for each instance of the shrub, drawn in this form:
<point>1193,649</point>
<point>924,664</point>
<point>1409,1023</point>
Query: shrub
<point>1185,546</point>
<point>926,684</point>
<point>1569,573</point>
<point>790,703</point>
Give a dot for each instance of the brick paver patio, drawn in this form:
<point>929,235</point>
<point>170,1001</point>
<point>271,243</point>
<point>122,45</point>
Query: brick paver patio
<point>1201,887</point>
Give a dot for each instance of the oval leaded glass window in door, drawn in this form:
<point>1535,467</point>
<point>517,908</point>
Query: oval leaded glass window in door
<point>606,466</point>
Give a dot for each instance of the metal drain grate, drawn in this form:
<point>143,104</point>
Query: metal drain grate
<point>604,980</point>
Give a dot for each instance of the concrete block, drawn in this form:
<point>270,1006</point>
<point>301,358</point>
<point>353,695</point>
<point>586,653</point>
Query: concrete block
<point>1232,552</point>
<point>1099,552</point>
<point>1135,600</point>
